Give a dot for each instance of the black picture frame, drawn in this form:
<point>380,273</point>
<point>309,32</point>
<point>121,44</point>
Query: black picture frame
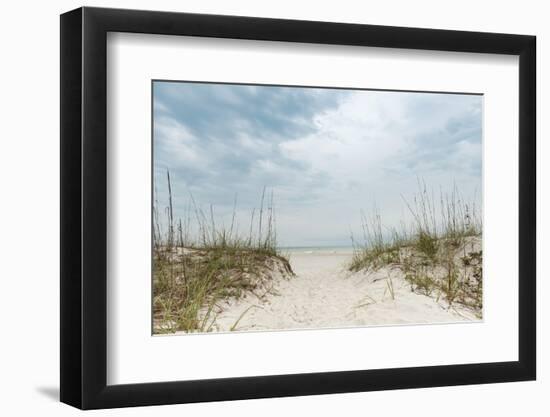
<point>84,207</point>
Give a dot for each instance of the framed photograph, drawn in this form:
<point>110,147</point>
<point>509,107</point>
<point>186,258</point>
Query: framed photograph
<point>257,207</point>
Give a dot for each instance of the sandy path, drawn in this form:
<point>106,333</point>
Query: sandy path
<point>323,294</point>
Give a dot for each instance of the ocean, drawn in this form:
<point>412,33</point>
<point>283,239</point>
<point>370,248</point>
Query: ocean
<point>317,250</point>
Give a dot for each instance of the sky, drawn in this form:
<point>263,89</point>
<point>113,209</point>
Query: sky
<point>326,154</point>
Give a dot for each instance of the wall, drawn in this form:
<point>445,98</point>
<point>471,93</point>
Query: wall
<point>29,213</point>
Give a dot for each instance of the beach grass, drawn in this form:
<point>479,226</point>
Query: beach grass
<point>192,275</point>
<point>438,252</point>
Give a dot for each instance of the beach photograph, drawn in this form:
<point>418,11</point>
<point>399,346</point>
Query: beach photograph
<point>299,207</point>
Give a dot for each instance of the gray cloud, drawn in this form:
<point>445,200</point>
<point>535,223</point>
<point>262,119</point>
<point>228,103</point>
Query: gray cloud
<point>326,153</point>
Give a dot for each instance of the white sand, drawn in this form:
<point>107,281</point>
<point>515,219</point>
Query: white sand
<point>323,294</point>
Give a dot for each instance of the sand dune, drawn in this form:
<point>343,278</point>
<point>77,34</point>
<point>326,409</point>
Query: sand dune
<point>324,294</point>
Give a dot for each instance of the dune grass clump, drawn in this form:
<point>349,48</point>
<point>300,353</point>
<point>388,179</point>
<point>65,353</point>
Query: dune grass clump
<point>191,276</point>
<point>439,253</point>
<point>376,251</point>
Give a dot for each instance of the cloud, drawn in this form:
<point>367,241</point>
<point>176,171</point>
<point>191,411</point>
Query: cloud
<point>326,153</point>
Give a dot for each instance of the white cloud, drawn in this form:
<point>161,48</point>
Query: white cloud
<point>370,147</point>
